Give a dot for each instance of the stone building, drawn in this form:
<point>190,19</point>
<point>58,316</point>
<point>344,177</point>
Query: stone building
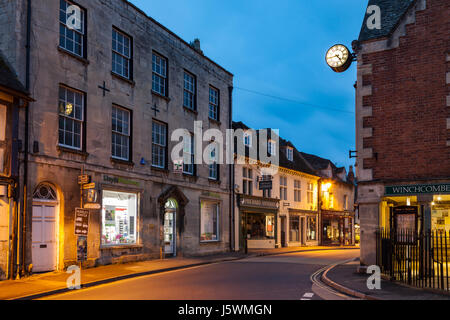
<point>287,213</point>
<point>403,120</point>
<point>111,86</point>
<point>337,202</point>
<point>13,97</point>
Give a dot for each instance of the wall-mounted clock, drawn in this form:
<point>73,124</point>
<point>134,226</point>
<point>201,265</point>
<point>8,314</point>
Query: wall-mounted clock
<point>339,58</point>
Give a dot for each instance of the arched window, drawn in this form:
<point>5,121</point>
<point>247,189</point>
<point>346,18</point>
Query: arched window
<point>45,192</point>
<point>171,204</point>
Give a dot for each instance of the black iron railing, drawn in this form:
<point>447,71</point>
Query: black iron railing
<point>419,260</point>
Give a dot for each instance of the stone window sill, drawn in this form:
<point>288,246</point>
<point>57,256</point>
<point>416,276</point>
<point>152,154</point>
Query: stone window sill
<point>118,76</point>
<point>62,149</point>
<point>160,96</point>
<point>81,59</point>
<point>122,162</point>
<point>190,110</point>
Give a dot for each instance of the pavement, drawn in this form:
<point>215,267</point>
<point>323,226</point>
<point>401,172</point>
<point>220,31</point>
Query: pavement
<point>345,279</point>
<point>42,285</point>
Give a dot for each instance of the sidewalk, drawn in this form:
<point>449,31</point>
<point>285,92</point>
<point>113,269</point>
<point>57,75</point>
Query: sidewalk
<point>345,279</point>
<point>40,285</point>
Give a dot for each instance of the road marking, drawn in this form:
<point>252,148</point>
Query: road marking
<point>307,296</point>
<point>315,279</point>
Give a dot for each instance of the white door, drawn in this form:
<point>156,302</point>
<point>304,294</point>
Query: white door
<point>169,233</point>
<point>44,244</point>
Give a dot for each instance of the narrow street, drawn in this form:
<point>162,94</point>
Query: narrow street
<point>280,277</point>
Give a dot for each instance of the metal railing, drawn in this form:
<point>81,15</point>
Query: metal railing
<point>419,260</point>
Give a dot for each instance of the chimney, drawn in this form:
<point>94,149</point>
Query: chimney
<point>196,45</point>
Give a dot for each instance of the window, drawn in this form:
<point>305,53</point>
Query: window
<point>159,77</point>
<point>121,54</point>
<point>214,167</point>
<point>209,225</point>
<point>297,191</point>
<point>119,218</point>
<point>294,228</point>
<point>290,154</point>
<point>260,226</point>
<point>311,234</point>
<point>71,38</point>
<point>310,193</point>
<point>213,104</point>
<point>120,133</point>
<point>248,139</point>
<point>71,118</point>
<point>188,155</point>
<point>271,148</point>
<point>345,202</point>
<point>189,91</point>
<point>331,201</point>
<point>247,181</point>
<point>267,193</point>
<point>283,188</point>
<point>159,144</point>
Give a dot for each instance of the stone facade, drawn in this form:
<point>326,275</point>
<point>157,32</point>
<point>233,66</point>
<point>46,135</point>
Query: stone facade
<point>402,111</point>
<point>57,166</point>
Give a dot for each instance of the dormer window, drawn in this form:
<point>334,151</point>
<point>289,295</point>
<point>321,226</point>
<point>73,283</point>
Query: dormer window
<point>247,139</point>
<point>290,154</point>
<point>271,147</point>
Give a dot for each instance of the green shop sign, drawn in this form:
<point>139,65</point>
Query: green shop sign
<point>116,180</point>
<point>418,189</point>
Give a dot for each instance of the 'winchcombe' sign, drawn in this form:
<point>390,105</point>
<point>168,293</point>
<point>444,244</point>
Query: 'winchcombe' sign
<point>418,189</point>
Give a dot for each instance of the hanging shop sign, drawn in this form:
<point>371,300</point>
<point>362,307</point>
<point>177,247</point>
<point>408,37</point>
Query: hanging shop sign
<point>81,222</point>
<point>265,183</point>
<point>84,179</point>
<point>418,189</point>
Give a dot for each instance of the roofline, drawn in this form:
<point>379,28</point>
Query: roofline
<point>20,94</point>
<point>176,36</point>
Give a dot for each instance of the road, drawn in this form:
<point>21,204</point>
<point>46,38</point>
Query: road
<point>280,277</point>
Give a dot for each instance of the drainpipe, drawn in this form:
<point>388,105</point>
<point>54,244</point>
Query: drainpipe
<point>231,171</point>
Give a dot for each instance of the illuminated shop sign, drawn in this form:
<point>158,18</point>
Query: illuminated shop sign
<point>418,189</point>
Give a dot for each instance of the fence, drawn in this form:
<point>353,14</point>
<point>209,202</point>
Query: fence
<point>420,260</point>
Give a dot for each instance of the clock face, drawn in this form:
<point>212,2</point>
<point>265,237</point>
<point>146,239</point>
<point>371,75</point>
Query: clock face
<point>337,56</point>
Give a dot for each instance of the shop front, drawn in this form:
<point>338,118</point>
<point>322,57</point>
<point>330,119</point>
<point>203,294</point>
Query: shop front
<point>259,222</point>
<point>303,228</point>
<point>337,228</point>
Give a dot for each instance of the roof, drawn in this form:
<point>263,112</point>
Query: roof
<point>318,163</point>
<point>8,78</point>
<point>392,11</point>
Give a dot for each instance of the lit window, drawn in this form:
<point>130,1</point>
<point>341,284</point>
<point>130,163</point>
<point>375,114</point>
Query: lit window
<point>119,218</point>
<point>71,38</point>
<point>159,77</point>
<point>121,54</point>
<point>189,91</point>
<point>209,221</point>
<point>71,117</point>
<point>310,193</point>
<point>120,133</point>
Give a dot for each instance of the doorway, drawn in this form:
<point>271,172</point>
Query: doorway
<point>170,235</point>
<point>44,229</point>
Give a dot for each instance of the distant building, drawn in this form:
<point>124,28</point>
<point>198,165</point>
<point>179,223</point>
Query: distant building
<point>403,120</point>
<point>337,202</point>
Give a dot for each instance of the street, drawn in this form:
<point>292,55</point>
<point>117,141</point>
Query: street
<point>278,277</point>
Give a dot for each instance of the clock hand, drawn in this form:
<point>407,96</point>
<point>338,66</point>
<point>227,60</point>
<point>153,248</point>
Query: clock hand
<point>338,58</point>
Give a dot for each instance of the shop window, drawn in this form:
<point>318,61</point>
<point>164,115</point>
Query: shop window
<point>260,226</point>
<point>119,218</point>
<point>311,229</point>
<point>209,221</point>
<point>294,227</point>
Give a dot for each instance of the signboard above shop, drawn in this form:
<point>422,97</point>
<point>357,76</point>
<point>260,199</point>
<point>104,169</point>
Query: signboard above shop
<point>443,188</point>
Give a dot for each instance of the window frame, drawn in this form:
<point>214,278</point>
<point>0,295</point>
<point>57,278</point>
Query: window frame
<point>310,193</point>
<point>297,191</point>
<point>192,155</point>
<point>271,147</point>
<point>250,139</point>
<point>283,188</point>
<point>160,76</point>
<point>82,121</point>
<point>247,181</point>
<point>214,167</point>
<point>290,154</point>
<point>188,91</point>
<point>165,147</point>
<point>213,104</point>
<point>218,221</point>
<point>129,135</point>
<point>128,59</point>
<point>83,34</point>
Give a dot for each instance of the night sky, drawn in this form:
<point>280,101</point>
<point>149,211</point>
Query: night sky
<point>276,51</point>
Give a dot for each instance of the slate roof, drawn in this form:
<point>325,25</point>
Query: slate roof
<point>8,77</point>
<point>391,13</point>
<point>318,163</point>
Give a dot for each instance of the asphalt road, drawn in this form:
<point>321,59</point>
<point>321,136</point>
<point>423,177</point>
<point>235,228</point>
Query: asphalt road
<point>281,277</point>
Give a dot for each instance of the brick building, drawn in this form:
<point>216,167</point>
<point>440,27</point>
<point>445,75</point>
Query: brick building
<point>111,87</point>
<point>403,119</point>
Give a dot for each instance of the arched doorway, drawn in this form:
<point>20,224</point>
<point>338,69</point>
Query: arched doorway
<point>44,228</point>
<point>170,222</point>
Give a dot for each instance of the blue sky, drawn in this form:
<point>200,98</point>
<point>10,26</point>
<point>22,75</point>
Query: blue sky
<point>278,48</point>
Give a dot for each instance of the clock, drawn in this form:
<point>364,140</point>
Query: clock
<point>339,58</point>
